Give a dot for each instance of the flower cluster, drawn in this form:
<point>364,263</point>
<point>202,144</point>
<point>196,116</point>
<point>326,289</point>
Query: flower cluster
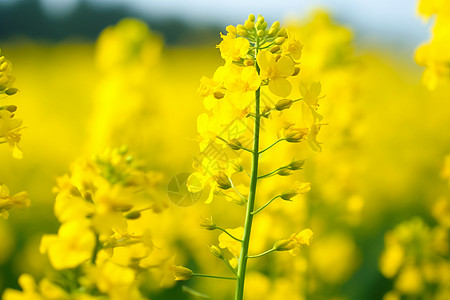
<point>435,56</point>
<point>416,255</point>
<point>9,126</point>
<point>256,56</point>
<point>102,241</point>
<point>253,91</point>
<point>19,200</point>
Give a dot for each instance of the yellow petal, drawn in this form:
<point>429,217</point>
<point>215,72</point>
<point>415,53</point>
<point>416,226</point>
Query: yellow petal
<point>280,87</point>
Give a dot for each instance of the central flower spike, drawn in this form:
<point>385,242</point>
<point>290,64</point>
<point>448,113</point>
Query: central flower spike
<point>267,50</point>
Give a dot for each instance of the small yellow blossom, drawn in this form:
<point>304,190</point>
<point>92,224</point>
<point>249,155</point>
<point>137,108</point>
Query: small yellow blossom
<point>7,202</point>
<point>276,71</point>
<point>233,48</point>
<point>292,47</point>
<point>73,245</point>
<point>246,80</point>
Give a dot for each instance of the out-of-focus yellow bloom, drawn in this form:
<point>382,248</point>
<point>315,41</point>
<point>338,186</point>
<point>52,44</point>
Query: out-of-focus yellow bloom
<point>392,257</point>
<point>292,47</point>
<point>276,71</point>
<point>334,266</point>
<point>129,44</point>
<point>435,56</point>
<point>9,132</point>
<point>427,8</point>
<point>31,291</point>
<point>445,173</point>
<point>441,211</point>
<point>73,245</point>
<point>7,202</point>
<point>225,241</point>
<point>409,281</point>
<point>233,48</point>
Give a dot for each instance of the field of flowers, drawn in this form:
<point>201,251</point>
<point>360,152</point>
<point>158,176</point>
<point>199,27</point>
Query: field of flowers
<point>285,163</point>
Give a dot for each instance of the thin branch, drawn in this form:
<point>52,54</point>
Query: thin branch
<point>261,254</point>
<point>262,207</point>
<point>234,238</point>
<point>279,140</point>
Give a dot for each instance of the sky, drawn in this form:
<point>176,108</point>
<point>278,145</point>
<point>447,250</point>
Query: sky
<point>384,20</point>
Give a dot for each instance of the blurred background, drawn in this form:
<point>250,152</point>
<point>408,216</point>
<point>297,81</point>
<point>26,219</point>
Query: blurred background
<point>384,144</point>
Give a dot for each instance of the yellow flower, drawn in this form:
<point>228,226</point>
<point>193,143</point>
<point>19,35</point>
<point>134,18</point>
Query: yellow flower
<point>232,48</point>
<point>73,245</point>
<point>244,80</point>
<point>29,287</point>
<point>276,71</point>
<point>9,131</point>
<point>292,47</point>
<point>7,202</point>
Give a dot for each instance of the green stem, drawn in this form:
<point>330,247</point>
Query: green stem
<point>262,151</point>
<point>262,207</point>
<point>96,249</point>
<point>262,254</point>
<point>234,238</point>
<point>242,266</point>
<point>213,276</point>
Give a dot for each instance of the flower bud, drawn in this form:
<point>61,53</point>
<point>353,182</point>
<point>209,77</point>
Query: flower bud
<point>288,194</point>
<point>133,215</point>
<point>283,104</point>
<point>249,62</point>
<point>218,95</point>
<point>3,66</point>
<point>284,245</point>
<point>10,108</point>
<point>243,33</point>
<point>11,91</point>
<point>280,40</point>
<point>260,18</point>
<point>223,181</point>
<point>231,29</point>
<point>238,167</point>
<point>249,25</point>
<point>251,17</point>
<point>282,32</point>
<point>296,165</point>
<point>260,33</point>
<point>235,144</point>
<point>275,25</point>
<point>266,112</point>
<point>295,136</point>
<point>208,224</point>
<point>272,32</point>
<point>264,25</point>
<point>284,172</point>
<point>216,251</point>
<point>275,49</point>
<point>181,273</point>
